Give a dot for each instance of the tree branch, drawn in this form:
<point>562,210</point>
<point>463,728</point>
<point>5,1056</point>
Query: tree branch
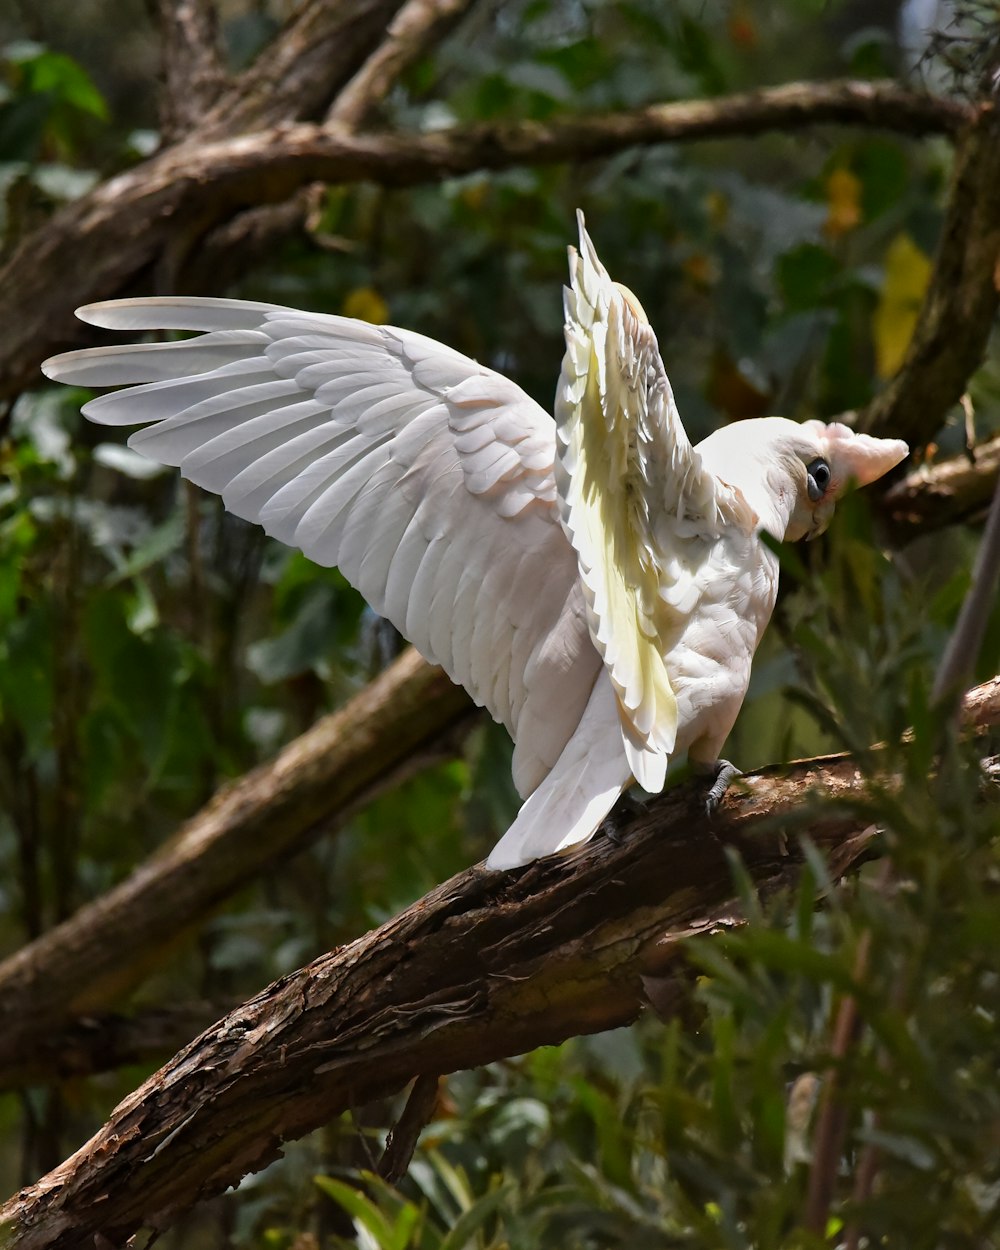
<point>405,1133</point>
<point>485,966</point>
<point>105,242</point>
<point>960,306</point>
<point>194,76</point>
<point>417,27</point>
<point>319,50</point>
<point>936,495</point>
<point>90,960</point>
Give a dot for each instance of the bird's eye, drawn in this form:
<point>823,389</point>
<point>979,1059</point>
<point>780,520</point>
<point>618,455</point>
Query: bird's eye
<point>817,479</point>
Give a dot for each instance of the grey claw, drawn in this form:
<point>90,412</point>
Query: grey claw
<point>725,775</point>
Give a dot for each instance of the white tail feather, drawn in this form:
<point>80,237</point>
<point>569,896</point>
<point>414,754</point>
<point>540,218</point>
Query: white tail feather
<point>578,793</point>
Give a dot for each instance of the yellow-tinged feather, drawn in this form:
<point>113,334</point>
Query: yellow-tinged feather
<point>607,501</point>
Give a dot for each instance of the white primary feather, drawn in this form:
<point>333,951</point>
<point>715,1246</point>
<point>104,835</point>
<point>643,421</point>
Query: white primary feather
<point>426,477</point>
<point>601,593</point>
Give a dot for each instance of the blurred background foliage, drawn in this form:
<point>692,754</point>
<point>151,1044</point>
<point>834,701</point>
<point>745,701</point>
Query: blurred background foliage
<point>152,646</point>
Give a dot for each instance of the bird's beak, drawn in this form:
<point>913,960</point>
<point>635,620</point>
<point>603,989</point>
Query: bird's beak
<point>821,518</point>
<point>862,458</point>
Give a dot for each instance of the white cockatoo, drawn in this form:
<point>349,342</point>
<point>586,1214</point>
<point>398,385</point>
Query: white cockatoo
<point>595,581</point>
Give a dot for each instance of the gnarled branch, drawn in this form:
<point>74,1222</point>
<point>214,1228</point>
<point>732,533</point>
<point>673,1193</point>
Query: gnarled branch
<point>320,49</point>
<point>101,244</point>
<point>485,966</point>
<point>418,26</point>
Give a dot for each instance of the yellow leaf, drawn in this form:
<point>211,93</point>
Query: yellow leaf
<point>907,272</point>
<point>365,303</point>
<point>843,203</point>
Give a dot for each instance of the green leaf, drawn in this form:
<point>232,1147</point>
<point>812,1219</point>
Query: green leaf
<point>472,1220</point>
<point>361,1208</point>
<point>57,75</point>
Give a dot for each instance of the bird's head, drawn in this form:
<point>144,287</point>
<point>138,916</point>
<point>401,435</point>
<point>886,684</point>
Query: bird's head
<point>792,474</point>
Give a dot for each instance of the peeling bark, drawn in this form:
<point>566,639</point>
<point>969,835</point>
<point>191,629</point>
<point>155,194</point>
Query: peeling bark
<point>486,966</point>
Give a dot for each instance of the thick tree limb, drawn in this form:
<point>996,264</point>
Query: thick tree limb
<point>103,243</point>
<point>91,959</point>
<point>194,75</point>
<point>936,495</point>
<point>485,966</point>
<point>320,49</point>
<point>416,28</point>
<point>960,306</point>
<point>227,251</point>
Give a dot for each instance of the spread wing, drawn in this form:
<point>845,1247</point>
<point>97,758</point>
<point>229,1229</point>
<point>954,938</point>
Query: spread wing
<point>427,479</point>
<point>637,503</point>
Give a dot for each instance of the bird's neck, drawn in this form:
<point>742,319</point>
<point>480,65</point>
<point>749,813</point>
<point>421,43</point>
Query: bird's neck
<point>762,480</point>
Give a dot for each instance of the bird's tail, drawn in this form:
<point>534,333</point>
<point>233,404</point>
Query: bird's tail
<point>578,793</point>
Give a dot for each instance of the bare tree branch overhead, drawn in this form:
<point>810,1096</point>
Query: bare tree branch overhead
<point>419,25</point>
<point>485,966</point>
<point>100,245</point>
<point>321,47</point>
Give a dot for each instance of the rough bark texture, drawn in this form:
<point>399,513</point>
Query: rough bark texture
<point>320,49</point>
<point>93,958</point>
<point>155,215</point>
<point>485,966</point>
<point>936,495</point>
<point>194,76</point>
<point>418,26</point>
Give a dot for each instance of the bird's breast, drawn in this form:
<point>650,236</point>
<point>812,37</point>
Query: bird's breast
<point>710,656</point>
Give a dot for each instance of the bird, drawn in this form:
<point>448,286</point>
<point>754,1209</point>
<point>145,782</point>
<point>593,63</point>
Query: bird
<point>595,581</point>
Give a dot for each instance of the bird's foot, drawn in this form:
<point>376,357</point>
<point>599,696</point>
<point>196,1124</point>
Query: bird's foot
<point>624,812</point>
<point>723,774</point>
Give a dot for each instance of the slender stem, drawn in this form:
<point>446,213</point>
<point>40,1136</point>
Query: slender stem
<point>403,1137</point>
<point>962,651</point>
